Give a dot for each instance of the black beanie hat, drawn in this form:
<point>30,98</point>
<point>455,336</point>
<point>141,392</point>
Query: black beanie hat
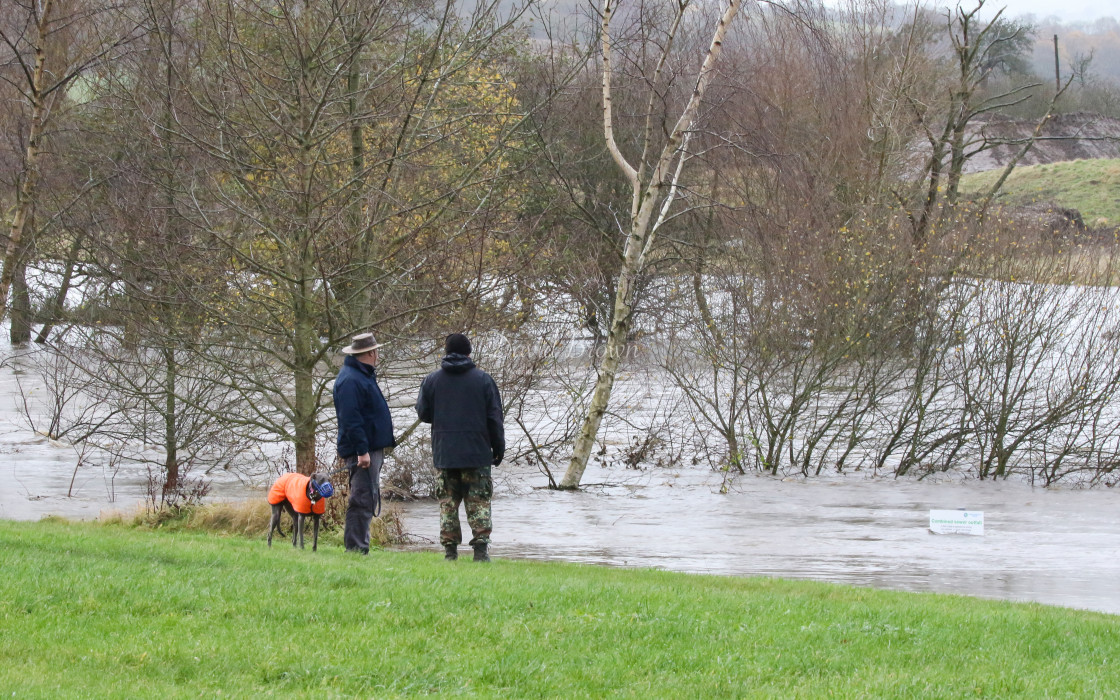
<point>457,343</point>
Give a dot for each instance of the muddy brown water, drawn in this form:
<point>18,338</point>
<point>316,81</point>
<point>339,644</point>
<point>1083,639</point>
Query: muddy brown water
<point>1052,546</point>
<point>1058,547</point>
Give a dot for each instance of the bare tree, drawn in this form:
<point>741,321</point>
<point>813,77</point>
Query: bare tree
<point>932,199</point>
<point>1037,373</point>
<point>47,46</point>
<point>654,187</point>
<point>358,170</point>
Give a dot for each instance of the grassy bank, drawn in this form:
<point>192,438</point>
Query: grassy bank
<point>107,611</point>
<point>1089,186</point>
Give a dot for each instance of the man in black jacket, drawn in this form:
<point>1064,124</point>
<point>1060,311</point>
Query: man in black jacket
<point>468,437</point>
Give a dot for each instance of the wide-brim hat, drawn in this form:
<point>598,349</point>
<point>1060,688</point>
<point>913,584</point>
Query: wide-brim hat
<point>361,344</point>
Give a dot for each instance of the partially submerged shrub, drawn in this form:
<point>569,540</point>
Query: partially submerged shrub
<point>408,474</point>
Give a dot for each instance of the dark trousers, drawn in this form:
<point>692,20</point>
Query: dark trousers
<point>365,501</point>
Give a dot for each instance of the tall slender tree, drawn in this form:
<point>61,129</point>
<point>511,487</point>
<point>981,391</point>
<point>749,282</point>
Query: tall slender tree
<point>654,184</point>
<point>47,45</point>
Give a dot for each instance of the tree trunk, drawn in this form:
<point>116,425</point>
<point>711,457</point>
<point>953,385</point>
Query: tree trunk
<point>20,300</point>
<point>655,195</point>
<point>170,429</point>
<point>363,311</point>
<point>600,399</point>
<point>20,303</point>
<point>304,343</point>
<point>57,305</point>
<point>25,202</point>
<point>305,422</point>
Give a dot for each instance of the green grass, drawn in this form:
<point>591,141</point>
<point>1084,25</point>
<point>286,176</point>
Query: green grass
<point>108,611</point>
<point>1090,186</point>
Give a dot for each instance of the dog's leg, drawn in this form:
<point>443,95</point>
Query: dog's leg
<point>315,535</point>
<point>302,520</point>
<point>274,522</point>
<point>295,520</point>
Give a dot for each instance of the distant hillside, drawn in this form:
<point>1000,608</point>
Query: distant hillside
<point>1088,187</point>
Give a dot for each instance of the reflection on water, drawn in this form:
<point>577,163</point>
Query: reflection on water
<point>1054,547</point>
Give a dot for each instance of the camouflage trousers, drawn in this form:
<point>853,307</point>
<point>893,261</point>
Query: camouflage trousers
<point>472,487</point>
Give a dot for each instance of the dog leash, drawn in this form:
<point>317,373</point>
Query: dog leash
<point>344,468</point>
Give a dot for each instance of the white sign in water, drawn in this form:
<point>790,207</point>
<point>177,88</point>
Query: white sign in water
<point>956,522</point>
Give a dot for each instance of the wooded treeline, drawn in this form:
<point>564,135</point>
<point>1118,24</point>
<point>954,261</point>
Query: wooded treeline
<point>204,199</point>
<point>1098,41</point>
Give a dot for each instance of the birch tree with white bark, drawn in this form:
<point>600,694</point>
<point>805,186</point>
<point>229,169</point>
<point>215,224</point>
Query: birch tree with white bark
<point>655,178</point>
<point>46,46</point>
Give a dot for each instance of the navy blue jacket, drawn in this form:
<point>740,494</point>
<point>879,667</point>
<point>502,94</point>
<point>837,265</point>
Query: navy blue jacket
<point>364,422</point>
<point>465,409</point>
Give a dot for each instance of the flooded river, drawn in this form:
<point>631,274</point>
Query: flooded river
<point>1058,547</point>
<point>1048,546</point>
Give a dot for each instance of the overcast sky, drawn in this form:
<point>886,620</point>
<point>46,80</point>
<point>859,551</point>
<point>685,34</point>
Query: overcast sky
<point>1067,10</point>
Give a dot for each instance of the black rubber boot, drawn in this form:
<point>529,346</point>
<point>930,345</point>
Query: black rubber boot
<point>450,552</point>
<point>480,553</point>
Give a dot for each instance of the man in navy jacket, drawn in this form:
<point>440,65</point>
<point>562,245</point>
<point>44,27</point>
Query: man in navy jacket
<point>468,437</point>
<point>365,429</point>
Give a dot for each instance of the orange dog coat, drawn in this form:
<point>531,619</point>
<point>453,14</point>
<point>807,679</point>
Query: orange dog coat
<point>293,488</point>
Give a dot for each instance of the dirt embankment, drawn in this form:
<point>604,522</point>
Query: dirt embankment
<point>1073,136</point>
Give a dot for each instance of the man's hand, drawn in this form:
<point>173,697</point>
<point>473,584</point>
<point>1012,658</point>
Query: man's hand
<point>363,461</point>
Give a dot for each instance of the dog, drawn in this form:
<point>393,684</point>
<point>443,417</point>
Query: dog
<point>301,496</point>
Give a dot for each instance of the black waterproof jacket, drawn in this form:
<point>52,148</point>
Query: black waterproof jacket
<point>465,409</point>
